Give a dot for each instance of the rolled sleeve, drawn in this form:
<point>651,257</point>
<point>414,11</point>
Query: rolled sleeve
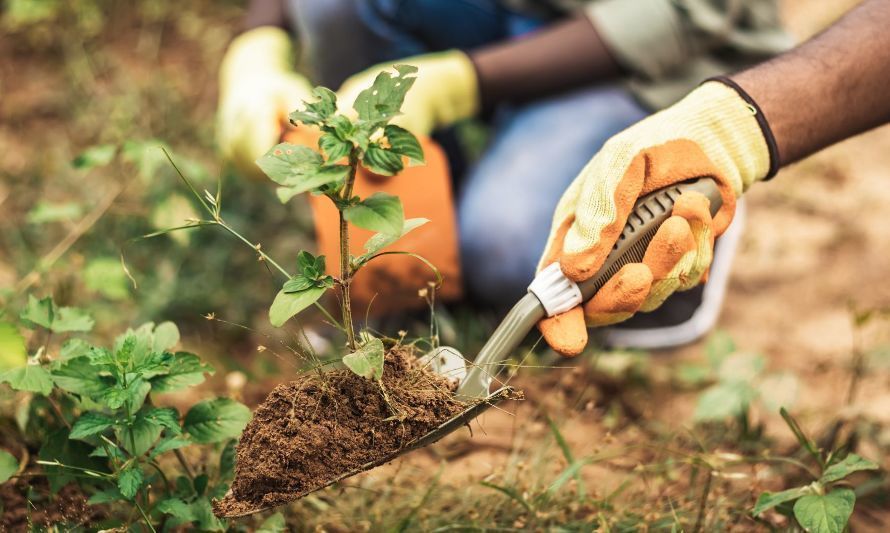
<point>648,37</point>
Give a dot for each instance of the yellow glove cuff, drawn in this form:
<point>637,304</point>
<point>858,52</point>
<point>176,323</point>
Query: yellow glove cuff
<point>726,128</point>
<point>459,97</point>
<point>263,49</point>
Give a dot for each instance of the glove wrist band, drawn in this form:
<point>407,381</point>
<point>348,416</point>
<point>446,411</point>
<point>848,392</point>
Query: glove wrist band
<point>767,132</point>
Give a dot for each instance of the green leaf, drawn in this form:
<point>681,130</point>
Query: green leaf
<point>379,241</point>
<point>778,390</point>
<point>367,361</point>
<point>58,447</point>
<point>90,424</point>
<point>79,376</point>
<point>105,276</point>
<point>72,319</point>
<point>333,147</point>
<point>185,370</point>
<point>273,524</point>
<point>180,511</point>
<point>13,352</point>
<point>719,346</point>
<point>166,445</point>
<point>165,336</point>
<point>46,314</point>
<point>851,463</point>
<point>741,367</point>
<point>723,400</point>
<point>299,168</point>
<point>692,375</point>
<point>403,142</point>
<point>9,465</point>
<point>204,516</point>
<point>45,212</point>
<point>216,420</point>
<point>227,460</point>
<point>109,451</point>
<point>138,437</point>
<point>297,284</point>
<point>319,110</point>
<point>166,417</point>
<point>38,312</point>
<point>383,100</point>
<point>827,513</point>
<point>382,161</point>
<point>132,395</point>
<point>310,265</point>
<point>95,156</point>
<point>379,212</point>
<point>33,378</point>
<point>287,305</point>
<point>287,164</point>
<point>112,494</point>
<point>74,348</point>
<point>129,481</point>
<point>768,500</point>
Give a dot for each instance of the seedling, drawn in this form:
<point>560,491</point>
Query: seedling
<point>825,505</point>
<point>345,143</point>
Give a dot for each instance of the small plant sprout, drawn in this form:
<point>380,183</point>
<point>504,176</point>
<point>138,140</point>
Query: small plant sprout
<point>345,143</point>
<point>826,504</point>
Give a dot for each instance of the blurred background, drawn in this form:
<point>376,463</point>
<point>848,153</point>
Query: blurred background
<point>89,89</point>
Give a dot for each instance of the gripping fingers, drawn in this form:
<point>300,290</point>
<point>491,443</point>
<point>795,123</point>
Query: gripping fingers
<point>566,332</point>
<point>670,257</point>
<point>620,297</point>
<point>695,208</point>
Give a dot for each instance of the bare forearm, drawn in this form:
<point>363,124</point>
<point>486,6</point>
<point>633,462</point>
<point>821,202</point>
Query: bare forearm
<point>563,56</point>
<point>265,13</point>
<point>834,86</point>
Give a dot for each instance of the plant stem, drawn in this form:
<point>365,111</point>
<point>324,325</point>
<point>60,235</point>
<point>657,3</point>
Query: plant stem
<point>144,516</point>
<point>184,464</point>
<point>219,222</point>
<point>345,272</point>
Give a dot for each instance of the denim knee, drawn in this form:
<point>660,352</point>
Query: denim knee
<point>497,267</point>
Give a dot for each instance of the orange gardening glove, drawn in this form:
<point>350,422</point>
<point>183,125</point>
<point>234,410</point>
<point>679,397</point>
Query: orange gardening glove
<point>713,132</point>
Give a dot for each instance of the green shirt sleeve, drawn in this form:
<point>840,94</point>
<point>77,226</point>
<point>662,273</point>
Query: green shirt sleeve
<point>669,46</point>
<point>647,37</point>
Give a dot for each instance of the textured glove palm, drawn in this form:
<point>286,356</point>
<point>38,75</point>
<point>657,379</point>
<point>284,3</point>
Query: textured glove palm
<point>713,132</point>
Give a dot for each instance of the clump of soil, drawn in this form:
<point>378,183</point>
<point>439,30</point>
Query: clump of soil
<point>311,431</point>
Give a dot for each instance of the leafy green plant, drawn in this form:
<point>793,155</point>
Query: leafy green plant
<point>825,504</point>
<point>345,144</point>
<point>738,381</point>
<point>105,431</point>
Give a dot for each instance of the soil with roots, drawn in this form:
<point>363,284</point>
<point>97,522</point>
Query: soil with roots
<point>310,431</point>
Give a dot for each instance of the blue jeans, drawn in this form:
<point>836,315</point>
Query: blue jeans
<point>506,201</point>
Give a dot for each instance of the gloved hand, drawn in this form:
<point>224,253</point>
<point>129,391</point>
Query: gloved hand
<point>713,132</point>
<point>258,88</point>
<point>445,91</point>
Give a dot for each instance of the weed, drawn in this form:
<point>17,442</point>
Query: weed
<point>824,505</point>
<point>103,429</point>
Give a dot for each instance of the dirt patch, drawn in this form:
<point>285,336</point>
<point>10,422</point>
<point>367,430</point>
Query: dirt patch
<point>310,431</point>
<point>27,504</point>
